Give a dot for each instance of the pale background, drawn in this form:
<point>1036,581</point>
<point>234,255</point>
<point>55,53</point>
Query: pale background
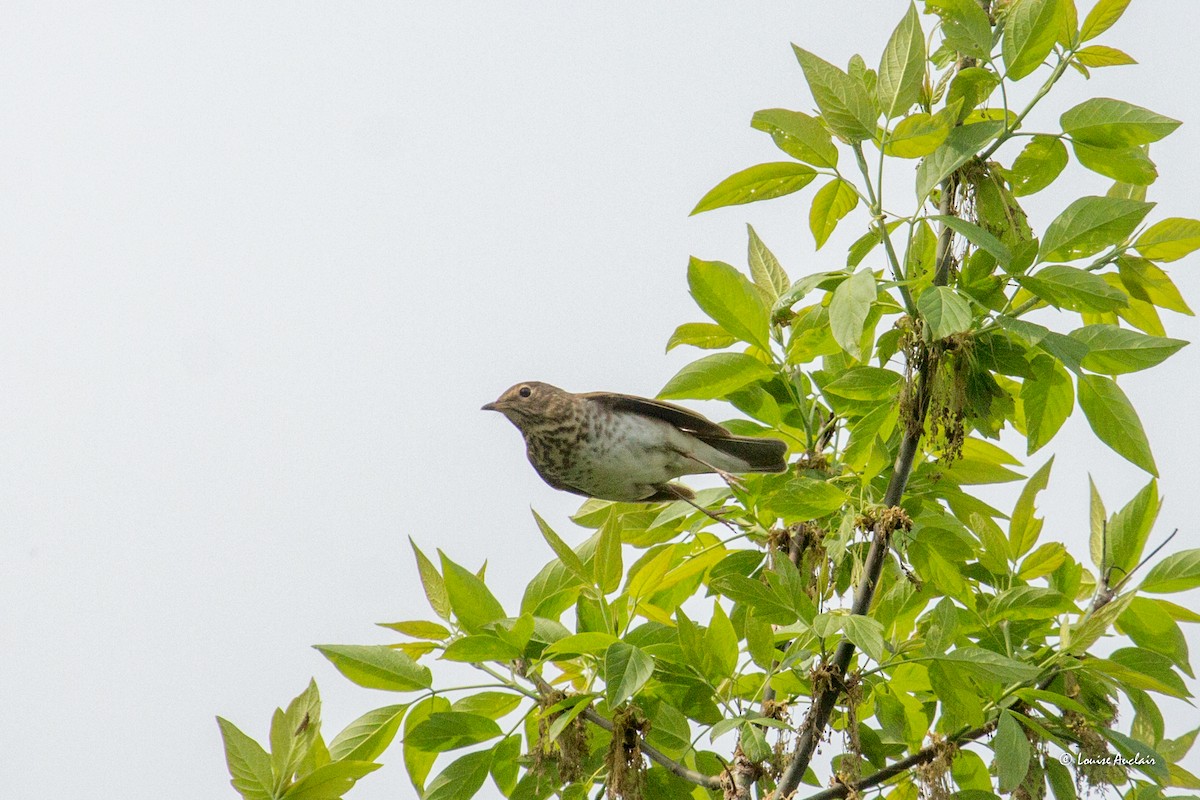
<point>263,262</point>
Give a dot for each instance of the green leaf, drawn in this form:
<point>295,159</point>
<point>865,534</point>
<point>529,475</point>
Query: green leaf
<point>1028,602</point>
<point>965,25</point>
<point>760,182</point>
<point>944,311</point>
<point>553,590</point>
<point>1064,348</point>
<point>760,640</point>
<point>1150,764</point>
<point>848,310</point>
<point>1142,669</point>
<point>1079,637</point>
<point>586,643</point>
<point>606,564</point>
<point>1113,350</point>
<point>865,383</point>
<point>574,706</point>
<point>704,335</point>
<point>505,765</point>
<point>1047,399</point>
<point>1042,561</point>
<point>765,268</point>
<point>991,666</point>
<point>766,604</point>
<point>474,605</point>
<point>1148,282</point>
<point>844,102</point>
<point>1169,240</point>
<point>1130,527</point>
<point>367,737</point>
<point>970,772</point>
<point>450,730</point>
<point>1175,749</point>
<point>249,764</point>
<point>977,236</point>
<point>867,634</point>
<point>1038,165</point>
<point>917,135</point>
<point>902,67</point>
<point>566,555</point>
<point>626,670</point>
<point>418,629</point>
<point>1068,30</point>
<point>293,734</point>
<point>462,778</point>
<point>1148,624</point>
<point>431,581</point>
<point>970,87</point>
<point>715,376</point>
<point>1102,17</point>
<point>1030,29</point>
<point>753,742</point>
<point>418,762</point>
<point>1097,526</point>
<point>1128,165</point>
<point>1023,526</point>
<point>1104,122</point>
<point>1089,225</point>
<point>1073,288</point>
<point>480,648</point>
<point>800,136</point>
<point>1114,421</point>
<point>804,498</point>
<point>377,667</point>
<point>832,202</point>
<point>1098,55</point>
<point>1012,752</point>
<point>720,646</point>
<point>1175,573</point>
<point>960,147</point>
<point>329,781</point>
<point>731,300</point>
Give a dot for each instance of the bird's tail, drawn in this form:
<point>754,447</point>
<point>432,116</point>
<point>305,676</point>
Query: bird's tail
<point>755,455</point>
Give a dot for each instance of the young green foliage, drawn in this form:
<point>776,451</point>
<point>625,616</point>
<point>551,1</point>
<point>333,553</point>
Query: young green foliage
<point>869,590</point>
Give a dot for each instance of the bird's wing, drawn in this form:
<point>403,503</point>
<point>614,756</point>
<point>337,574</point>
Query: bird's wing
<point>682,418</point>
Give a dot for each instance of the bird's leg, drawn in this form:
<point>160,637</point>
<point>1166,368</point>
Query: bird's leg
<point>714,515</point>
<point>733,480</point>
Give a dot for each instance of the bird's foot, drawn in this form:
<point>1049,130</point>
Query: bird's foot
<point>718,515</point>
<point>733,480</point>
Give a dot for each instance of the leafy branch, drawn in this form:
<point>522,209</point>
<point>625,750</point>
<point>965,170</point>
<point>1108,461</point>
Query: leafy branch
<point>867,590</point>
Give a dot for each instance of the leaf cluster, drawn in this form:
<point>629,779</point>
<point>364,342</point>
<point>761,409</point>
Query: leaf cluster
<point>868,593</point>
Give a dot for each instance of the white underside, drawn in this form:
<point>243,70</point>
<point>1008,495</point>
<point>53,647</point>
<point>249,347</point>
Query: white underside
<point>650,453</point>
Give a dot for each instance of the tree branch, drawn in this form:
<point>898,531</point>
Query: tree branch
<point>1104,595</point>
<point>818,715</point>
<point>817,719</point>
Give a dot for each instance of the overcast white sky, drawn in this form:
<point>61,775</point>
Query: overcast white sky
<point>263,262</point>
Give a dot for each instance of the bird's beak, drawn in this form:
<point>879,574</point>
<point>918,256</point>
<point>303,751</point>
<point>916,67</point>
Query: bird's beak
<point>489,407</point>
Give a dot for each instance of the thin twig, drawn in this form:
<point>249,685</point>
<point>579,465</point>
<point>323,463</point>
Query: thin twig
<point>1103,597</point>
<point>653,753</point>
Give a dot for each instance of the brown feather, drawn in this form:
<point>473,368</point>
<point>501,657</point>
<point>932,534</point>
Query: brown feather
<point>762,455</point>
<point>683,418</point>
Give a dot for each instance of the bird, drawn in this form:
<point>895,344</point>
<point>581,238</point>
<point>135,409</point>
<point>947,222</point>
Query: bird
<point>626,448</point>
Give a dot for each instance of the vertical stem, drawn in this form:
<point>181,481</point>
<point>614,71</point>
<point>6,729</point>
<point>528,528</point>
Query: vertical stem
<point>817,720</point>
<point>877,215</point>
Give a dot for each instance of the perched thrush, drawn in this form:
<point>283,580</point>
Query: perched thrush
<point>620,447</point>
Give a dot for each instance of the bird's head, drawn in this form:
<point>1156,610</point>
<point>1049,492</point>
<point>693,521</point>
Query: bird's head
<point>527,403</point>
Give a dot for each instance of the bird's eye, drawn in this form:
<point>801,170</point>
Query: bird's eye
<point>524,391</point>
